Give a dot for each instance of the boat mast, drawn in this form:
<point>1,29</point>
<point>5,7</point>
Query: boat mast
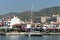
<point>32,13</point>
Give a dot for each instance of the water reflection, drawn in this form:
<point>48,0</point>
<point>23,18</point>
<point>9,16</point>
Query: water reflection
<point>22,37</point>
<point>13,37</point>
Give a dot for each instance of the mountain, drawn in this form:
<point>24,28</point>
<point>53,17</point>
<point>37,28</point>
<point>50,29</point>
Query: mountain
<point>26,15</point>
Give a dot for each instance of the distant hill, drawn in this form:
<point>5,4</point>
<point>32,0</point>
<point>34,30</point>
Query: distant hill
<point>26,15</point>
<point>49,11</point>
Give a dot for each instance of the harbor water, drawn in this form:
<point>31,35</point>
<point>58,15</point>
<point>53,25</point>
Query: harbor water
<point>22,37</point>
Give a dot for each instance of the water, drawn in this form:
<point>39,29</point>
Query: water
<point>22,37</point>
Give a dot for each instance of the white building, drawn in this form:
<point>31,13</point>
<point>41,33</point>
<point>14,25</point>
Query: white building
<point>13,21</point>
<point>58,19</point>
<point>43,19</point>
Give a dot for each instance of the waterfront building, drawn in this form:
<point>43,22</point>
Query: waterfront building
<point>55,15</point>
<point>15,21</point>
<point>8,22</point>
<point>43,19</point>
<point>58,19</point>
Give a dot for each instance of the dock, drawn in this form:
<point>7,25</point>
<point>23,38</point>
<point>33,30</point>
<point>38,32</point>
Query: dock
<point>29,33</point>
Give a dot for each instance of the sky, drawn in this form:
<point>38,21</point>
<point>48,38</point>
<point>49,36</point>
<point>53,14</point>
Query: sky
<point>7,6</point>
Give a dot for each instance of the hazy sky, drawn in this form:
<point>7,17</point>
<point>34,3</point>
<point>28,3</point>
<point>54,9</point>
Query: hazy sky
<point>7,6</point>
